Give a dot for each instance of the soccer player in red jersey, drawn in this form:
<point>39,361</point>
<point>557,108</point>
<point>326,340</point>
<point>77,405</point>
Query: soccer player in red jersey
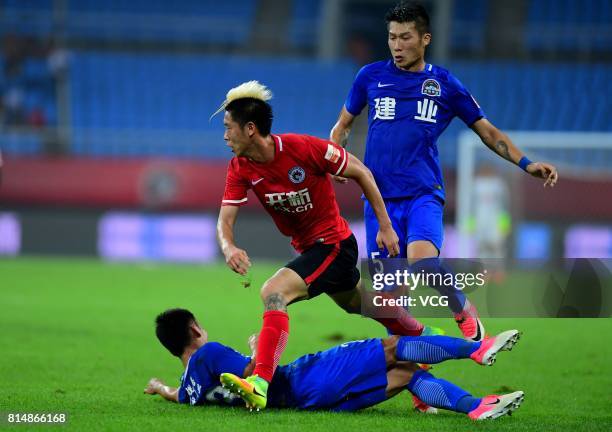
<point>289,175</point>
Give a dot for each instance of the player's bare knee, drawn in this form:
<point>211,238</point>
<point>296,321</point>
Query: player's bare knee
<point>421,249</point>
<point>282,289</point>
<point>268,288</point>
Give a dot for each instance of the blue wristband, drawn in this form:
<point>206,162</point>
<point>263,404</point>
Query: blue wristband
<point>523,163</point>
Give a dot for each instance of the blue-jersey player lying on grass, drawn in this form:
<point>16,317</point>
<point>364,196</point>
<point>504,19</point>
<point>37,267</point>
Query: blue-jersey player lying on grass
<point>348,377</point>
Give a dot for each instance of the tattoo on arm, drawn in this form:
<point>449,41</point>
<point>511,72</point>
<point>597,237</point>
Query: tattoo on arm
<point>275,302</point>
<point>502,149</point>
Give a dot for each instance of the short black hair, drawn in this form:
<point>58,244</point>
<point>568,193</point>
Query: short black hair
<point>411,11</point>
<point>172,328</point>
<point>254,110</point>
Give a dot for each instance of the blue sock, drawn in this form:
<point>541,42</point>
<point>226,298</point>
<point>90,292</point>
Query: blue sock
<point>456,298</point>
<point>467,403</point>
<point>440,393</point>
<point>433,349</point>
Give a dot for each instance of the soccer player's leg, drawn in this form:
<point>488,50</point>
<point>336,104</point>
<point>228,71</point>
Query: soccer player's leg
<point>443,394</point>
<point>436,349</point>
<point>402,352</point>
<point>395,319</point>
<point>341,281</point>
<point>285,287</point>
<point>465,313</point>
<point>425,236</point>
<point>302,278</point>
<point>439,393</point>
<point>343,284</point>
<point>399,374</point>
<point>402,323</point>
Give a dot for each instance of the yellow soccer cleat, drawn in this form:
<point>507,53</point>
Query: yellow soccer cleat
<point>253,390</point>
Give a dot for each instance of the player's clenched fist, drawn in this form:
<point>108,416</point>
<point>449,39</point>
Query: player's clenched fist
<point>153,386</point>
<point>237,259</point>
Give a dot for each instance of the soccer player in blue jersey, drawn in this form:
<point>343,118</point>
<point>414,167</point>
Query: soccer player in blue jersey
<point>410,103</point>
<point>348,377</point>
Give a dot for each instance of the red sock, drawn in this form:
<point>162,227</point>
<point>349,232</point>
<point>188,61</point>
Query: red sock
<point>271,344</point>
<point>403,324</point>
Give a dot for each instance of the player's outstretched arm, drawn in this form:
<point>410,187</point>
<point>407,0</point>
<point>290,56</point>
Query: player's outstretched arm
<point>501,144</point>
<point>157,386</point>
<point>363,176</point>
<point>340,133</point>
<point>235,258</point>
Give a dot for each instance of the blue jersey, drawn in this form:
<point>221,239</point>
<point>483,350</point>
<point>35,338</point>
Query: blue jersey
<point>200,382</point>
<point>407,112</point>
<point>325,380</point>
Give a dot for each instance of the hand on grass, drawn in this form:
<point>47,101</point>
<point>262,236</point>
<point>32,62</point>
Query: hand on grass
<point>153,386</point>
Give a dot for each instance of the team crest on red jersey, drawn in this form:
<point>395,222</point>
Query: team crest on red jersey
<point>297,174</point>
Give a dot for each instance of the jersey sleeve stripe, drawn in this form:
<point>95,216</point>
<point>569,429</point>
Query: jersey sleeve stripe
<point>344,158</point>
<point>235,201</point>
<point>280,143</point>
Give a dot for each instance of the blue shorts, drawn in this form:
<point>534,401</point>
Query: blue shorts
<point>337,378</point>
<point>413,219</point>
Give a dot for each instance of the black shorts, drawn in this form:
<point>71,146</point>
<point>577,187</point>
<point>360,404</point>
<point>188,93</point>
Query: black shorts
<point>328,268</point>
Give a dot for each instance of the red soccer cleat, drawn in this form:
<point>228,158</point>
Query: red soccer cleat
<point>470,325</point>
<point>489,347</point>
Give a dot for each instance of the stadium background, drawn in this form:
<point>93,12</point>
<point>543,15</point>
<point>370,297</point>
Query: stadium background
<point>109,153</point>
<point>118,95</point>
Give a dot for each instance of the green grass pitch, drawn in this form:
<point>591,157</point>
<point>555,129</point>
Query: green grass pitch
<point>76,336</point>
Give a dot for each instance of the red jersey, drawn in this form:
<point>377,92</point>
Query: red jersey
<point>294,188</point>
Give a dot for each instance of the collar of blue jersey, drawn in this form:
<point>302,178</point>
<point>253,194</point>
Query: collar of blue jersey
<point>426,68</point>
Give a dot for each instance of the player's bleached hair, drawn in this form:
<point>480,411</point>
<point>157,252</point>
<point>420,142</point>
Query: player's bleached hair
<point>250,89</point>
<point>248,103</point>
